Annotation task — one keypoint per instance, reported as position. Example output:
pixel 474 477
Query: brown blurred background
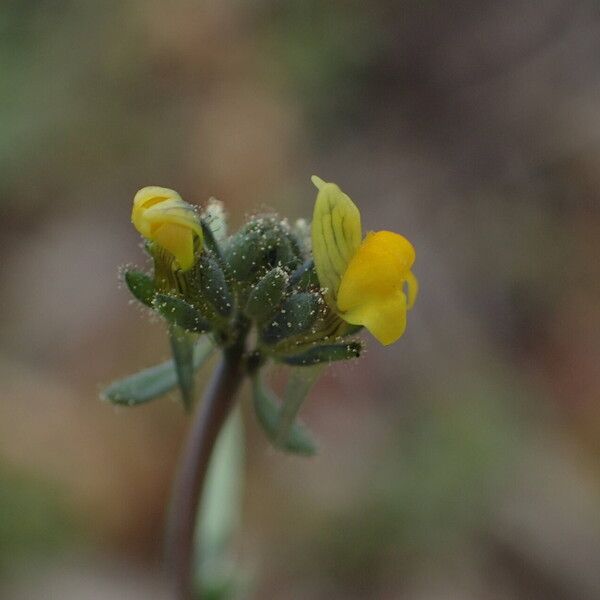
pixel 462 462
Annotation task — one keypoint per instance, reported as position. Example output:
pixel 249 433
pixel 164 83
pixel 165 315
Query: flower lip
pixel 372 293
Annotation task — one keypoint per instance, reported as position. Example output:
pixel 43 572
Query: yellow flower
pixel 364 279
pixel 161 216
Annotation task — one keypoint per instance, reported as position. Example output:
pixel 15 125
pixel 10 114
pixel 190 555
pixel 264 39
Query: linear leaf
pixel 182 348
pixel 155 381
pixel 298 386
pixel 324 354
pixel 268 413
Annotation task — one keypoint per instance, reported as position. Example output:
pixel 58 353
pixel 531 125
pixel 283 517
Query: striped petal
pixel 336 235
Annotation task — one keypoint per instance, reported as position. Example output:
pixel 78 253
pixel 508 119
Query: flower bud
pixel 208 287
pixel 305 276
pixel 296 315
pixel 258 247
pixel 178 312
pixel 267 295
pixel 161 216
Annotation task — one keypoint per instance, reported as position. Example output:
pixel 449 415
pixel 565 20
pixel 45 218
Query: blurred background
pixel 461 463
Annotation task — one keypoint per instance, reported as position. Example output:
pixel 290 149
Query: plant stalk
pixel 191 474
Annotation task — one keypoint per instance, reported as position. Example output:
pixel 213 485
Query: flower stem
pixel 195 458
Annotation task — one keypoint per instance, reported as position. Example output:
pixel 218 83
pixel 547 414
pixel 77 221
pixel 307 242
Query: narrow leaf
pixel 268 413
pixel 153 382
pixel 298 386
pixel 324 354
pixel 219 514
pixel 182 347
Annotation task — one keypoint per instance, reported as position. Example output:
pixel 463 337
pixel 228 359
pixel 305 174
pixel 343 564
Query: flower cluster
pixel 300 298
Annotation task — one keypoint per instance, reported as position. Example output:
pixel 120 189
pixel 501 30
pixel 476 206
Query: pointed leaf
pixel 268 413
pixel 153 382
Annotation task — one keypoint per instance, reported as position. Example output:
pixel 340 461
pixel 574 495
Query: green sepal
pixel 305 276
pixel 323 354
pixel 208 285
pixel 179 312
pixel 140 285
pixel 153 382
pixel 266 295
pixel 182 348
pixel 296 315
pixel 268 413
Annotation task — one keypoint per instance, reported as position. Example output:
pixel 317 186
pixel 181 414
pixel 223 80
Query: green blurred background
pixel 461 463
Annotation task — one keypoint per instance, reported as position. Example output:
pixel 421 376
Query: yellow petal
pixel 152 194
pixel 178 240
pixel 174 211
pixel 160 215
pixel 144 199
pixel 385 318
pixel 370 291
pixel 336 235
